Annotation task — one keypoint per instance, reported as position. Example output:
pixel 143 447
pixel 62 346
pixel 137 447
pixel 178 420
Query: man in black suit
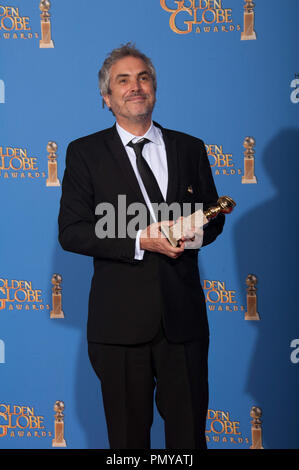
pixel 147 323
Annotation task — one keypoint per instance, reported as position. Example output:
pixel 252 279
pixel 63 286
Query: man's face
pixel 132 96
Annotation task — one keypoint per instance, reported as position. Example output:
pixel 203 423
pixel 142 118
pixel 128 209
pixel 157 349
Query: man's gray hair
pixel 124 50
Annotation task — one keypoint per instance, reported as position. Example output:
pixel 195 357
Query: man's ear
pixel 106 99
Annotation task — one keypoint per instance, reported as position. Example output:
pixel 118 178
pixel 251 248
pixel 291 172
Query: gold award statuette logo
pixel 256 428
pixel 59 440
pixel 46 41
pixel 249 154
pixel 251 313
pixel 56 311
pixel 52 179
pixel 248 32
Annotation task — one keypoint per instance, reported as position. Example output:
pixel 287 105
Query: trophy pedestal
pixel 251 313
pixel 249 176
pixel 165 229
pixel 46 41
pixel 175 232
pixel 52 180
pixel 246 37
pixel 58 443
pixel 256 438
pixel 56 312
pixel 46 45
pixel 56 315
pixel 52 183
pixel 248 33
pixel 252 317
pixel 249 181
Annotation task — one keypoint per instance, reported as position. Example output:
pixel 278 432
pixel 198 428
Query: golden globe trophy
pixel 56 311
pixel 248 29
pixel 249 176
pixel 59 440
pixel 251 313
pixel 46 41
pixel 52 179
pixel 198 219
pixel 256 428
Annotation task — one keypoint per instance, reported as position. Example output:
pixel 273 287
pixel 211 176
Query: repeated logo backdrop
pixel 227 73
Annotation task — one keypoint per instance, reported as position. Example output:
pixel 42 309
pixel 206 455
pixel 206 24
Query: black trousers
pixel 129 376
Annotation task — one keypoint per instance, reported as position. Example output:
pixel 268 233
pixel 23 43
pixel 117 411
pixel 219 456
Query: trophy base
pixel 174 233
pixel 252 317
pixel 58 443
pixel 249 181
pixel 248 37
pixel 56 315
pixel 165 230
pixel 46 45
pixel 50 183
pixel 257 448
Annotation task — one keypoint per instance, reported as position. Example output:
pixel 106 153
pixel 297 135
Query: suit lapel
pixel 121 159
pixel 172 163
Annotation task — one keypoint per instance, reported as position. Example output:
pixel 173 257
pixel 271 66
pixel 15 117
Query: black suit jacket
pixel 128 297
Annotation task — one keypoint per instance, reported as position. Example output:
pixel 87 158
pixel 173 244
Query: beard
pixel 137 116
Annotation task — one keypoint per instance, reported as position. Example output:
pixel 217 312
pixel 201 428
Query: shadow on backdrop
pixel 266 244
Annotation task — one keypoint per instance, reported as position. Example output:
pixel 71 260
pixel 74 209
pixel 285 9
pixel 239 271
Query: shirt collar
pixel 153 134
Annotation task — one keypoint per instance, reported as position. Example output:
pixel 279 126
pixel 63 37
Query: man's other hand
pixel 152 239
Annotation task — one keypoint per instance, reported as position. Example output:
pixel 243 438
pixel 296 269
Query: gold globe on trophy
pixel 225 205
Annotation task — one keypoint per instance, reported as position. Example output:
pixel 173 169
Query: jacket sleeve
pixel 77 219
pixel 209 197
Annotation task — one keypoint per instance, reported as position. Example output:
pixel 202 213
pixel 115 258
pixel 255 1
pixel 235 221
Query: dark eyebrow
pixel 120 75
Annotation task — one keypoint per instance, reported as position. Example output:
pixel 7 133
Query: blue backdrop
pixel 213 85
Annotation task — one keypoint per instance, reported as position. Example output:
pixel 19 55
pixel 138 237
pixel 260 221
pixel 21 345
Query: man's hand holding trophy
pixel 190 229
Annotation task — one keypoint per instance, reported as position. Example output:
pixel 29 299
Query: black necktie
pixel 148 178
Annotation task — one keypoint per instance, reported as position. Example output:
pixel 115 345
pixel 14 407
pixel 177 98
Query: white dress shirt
pixel 154 153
